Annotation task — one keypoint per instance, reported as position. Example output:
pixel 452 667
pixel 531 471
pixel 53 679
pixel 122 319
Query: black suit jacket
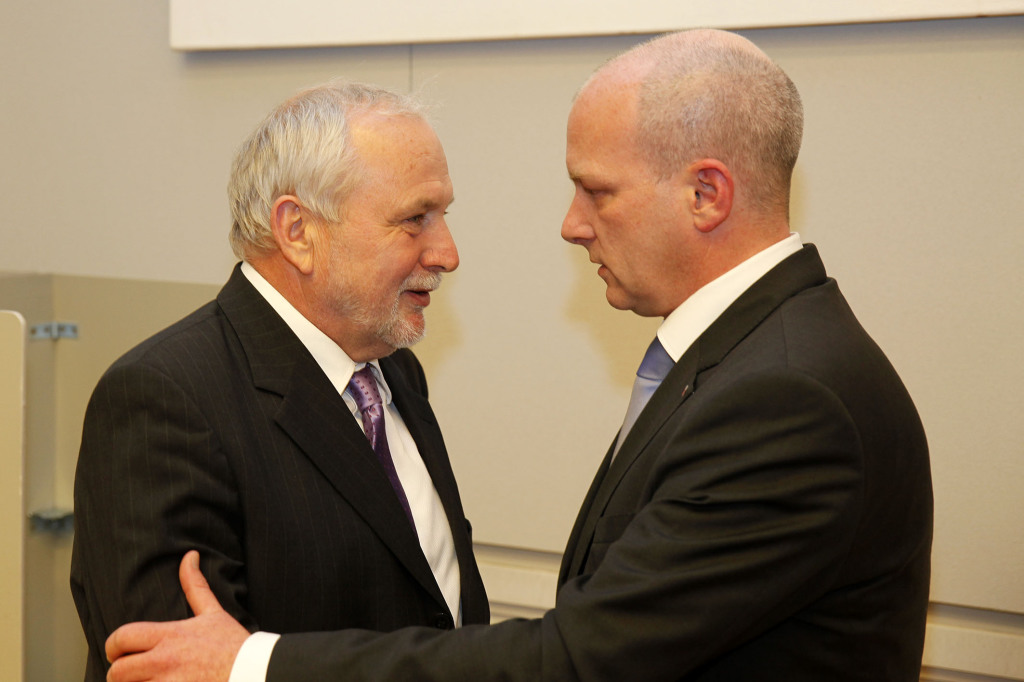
pixel 769 517
pixel 222 434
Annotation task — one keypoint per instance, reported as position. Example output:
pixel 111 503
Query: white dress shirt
pixel 685 324
pixel 432 527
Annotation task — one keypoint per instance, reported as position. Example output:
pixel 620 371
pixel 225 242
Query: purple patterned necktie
pixel 363 387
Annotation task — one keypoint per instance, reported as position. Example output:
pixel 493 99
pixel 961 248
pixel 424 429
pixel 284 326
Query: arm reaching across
pixel 200 649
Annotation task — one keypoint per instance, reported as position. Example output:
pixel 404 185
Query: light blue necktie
pixel 655 366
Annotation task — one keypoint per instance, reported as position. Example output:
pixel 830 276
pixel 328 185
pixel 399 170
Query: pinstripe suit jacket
pixel 222 434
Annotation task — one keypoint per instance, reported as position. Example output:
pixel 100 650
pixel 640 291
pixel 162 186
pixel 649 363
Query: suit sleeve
pixel 743 519
pixel 151 484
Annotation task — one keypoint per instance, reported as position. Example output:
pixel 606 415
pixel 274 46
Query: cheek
pixel 617 231
pixel 402 264
pixel 386 282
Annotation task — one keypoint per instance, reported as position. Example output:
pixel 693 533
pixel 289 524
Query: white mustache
pixel 427 282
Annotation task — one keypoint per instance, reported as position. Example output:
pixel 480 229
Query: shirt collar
pixel 334 361
pixel 692 318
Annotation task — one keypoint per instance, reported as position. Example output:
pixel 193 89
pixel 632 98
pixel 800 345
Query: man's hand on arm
pixel 200 649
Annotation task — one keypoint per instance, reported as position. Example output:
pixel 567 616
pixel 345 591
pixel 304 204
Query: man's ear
pixel 294 232
pixel 712 194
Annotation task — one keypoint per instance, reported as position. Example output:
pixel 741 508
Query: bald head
pixel 711 94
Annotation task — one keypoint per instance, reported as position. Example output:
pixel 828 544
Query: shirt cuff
pixel 253 658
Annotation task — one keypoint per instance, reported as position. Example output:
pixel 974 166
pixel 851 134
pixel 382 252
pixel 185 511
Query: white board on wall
pixel 249 24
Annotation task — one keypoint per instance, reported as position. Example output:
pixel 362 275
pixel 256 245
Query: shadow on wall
pixel 620 336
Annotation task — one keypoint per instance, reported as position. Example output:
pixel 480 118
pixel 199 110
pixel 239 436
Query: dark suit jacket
pixel 222 434
pixel 769 517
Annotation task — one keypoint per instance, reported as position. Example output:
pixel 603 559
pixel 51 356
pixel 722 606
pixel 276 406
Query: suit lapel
pixel 575 552
pixel 318 421
pixel 420 420
pixel 674 390
pixel 409 394
pixel 315 416
pixel 422 425
pixel 794 274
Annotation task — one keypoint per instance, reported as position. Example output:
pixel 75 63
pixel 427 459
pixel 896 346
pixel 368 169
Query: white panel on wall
pixel 241 24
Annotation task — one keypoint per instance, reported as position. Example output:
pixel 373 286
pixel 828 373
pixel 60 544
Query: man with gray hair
pixel 765 512
pixel 283 429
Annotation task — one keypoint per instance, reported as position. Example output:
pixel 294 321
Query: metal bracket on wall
pixel 56 521
pixel 54 331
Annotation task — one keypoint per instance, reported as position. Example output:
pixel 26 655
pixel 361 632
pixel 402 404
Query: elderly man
pixel 240 429
pixel 765 511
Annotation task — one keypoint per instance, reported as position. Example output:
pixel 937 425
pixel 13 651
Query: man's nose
pixel 576 227
pixel 441 254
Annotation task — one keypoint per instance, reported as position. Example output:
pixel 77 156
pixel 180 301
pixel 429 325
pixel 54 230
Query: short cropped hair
pixel 710 94
pixel 303 148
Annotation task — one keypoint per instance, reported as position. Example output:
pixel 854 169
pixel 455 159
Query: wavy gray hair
pixel 303 148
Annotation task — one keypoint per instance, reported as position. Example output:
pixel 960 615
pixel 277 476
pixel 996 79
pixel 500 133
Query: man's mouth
pixel 420 297
pixel 419 291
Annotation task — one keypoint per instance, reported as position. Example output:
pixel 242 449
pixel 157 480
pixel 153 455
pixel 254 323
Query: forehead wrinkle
pixel 430 200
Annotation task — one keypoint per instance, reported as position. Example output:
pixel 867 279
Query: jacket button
pixel 443 622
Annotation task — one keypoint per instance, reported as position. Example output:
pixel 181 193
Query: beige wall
pixel 116 152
